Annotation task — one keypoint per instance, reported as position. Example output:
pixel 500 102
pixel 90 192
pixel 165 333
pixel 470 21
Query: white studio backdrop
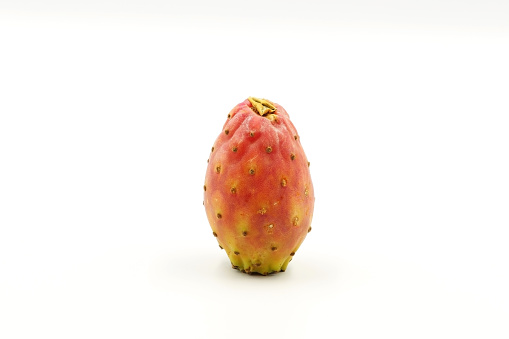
pixel 107 115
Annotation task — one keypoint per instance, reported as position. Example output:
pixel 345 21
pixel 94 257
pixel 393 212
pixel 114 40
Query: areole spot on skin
pixel 219 216
pixel 212 149
pixel 292 156
pixel 204 187
pixel 251 171
pixel 283 182
pixel 233 190
pixel 270 228
pixel 226 132
pixel 236 252
pixel 218 169
pixel 268 149
pixel 234 149
pixel 251 134
pixel 295 221
pixel 214 234
pixel 262 211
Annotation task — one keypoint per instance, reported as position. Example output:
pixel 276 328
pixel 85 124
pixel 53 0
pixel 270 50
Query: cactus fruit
pixel 258 193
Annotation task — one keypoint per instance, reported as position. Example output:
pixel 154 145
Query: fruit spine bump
pixel 258 193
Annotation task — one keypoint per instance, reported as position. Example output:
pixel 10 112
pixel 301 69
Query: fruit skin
pixel 258 193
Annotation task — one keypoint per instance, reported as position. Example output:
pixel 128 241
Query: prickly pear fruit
pixel 258 193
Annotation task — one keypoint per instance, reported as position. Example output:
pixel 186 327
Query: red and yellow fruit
pixel 258 192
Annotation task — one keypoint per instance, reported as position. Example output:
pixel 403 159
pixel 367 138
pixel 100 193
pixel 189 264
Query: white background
pixel 108 111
